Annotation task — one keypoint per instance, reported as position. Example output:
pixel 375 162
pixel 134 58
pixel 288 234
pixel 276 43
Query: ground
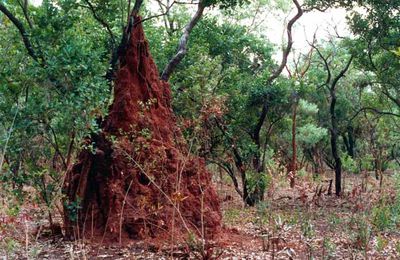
pixel 299 223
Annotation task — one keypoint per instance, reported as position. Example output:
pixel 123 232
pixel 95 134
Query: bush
pixel 386 214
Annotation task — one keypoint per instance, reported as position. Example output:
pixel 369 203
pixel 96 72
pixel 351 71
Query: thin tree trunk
pixel 293 165
pixel 334 138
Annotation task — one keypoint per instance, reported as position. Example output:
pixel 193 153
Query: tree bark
pixel 182 49
pixel 293 165
pixel 334 148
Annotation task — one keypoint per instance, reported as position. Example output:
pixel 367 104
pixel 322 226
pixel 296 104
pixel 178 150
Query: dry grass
pixel 290 223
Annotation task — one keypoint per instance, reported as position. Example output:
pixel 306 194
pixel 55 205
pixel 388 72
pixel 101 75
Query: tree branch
pixel 389 96
pixel 375 111
pixel 158 15
pixel 22 31
pixel 326 64
pixel 309 58
pixel 289 44
pixel 100 20
pixel 24 7
pixel 342 72
pixel 120 50
pixel 182 49
pixel 226 167
pixel 278 72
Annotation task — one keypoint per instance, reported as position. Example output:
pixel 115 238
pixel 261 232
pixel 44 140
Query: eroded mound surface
pixel 137 178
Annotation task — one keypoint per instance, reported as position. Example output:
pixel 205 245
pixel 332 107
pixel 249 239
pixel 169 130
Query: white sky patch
pixel 324 25
pixel 35 2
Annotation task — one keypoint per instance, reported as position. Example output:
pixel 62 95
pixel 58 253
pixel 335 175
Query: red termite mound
pixel 137 179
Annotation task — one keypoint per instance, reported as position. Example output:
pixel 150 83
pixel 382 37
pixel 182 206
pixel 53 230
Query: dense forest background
pixel 259 113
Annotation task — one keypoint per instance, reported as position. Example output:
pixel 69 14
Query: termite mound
pixel 137 178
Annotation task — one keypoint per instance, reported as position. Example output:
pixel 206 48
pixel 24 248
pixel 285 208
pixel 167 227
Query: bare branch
pixel 341 74
pixel 278 72
pixel 100 20
pixel 228 169
pixel 326 64
pixel 182 49
pixel 309 58
pixel 157 15
pixel 289 44
pixel 376 111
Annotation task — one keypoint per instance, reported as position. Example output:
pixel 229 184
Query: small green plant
pixel 73 207
pixel 317 178
pixel 397 246
pixel 382 216
pixel 386 214
pixel 263 213
pixel 145 133
pixel 264 219
pixel 231 215
pixel 13 209
pixel 349 164
pixel 329 248
pixel 34 251
pixel 302 173
pixel 191 240
pixel 293 218
pixel 334 221
pixel 307 228
pixel 381 243
pixel 201 249
pixel 363 232
pixel 258 180
pixel 396 205
pixel 9 246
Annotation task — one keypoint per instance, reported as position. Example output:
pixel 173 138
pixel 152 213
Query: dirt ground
pixel 300 223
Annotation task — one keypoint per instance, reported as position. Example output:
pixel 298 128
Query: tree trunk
pixel 352 141
pixel 257 194
pixel 349 141
pixel 334 146
pixel 293 164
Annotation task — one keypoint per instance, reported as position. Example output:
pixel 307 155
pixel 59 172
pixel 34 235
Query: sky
pixel 323 24
pixel 35 2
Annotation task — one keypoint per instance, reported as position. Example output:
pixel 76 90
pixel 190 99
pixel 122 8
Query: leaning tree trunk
pixel 138 179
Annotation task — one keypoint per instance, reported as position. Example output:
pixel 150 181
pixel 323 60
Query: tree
pixel 53 93
pixel 298 74
pixel 331 83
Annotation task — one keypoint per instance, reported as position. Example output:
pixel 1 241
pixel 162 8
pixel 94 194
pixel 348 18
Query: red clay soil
pixel 137 179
